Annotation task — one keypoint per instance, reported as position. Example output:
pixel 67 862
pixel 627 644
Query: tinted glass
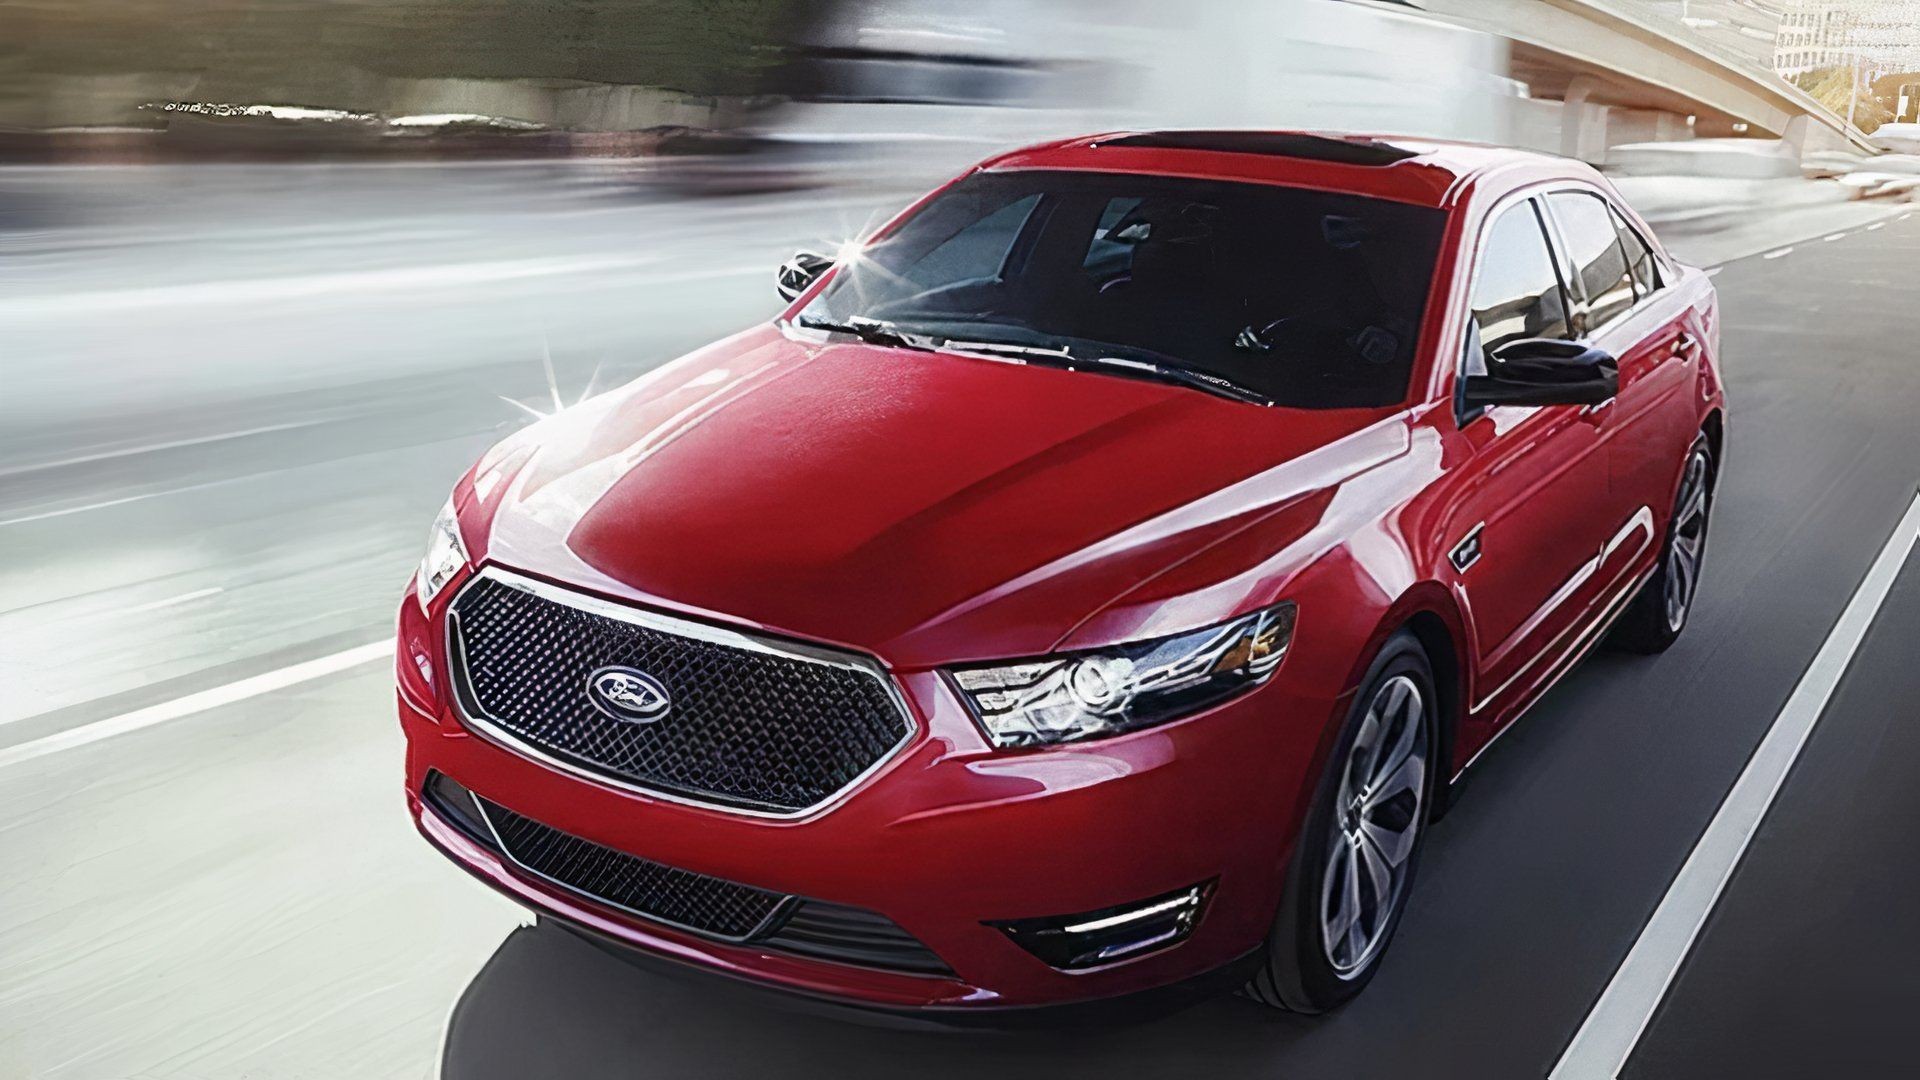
pixel 1312 299
pixel 1640 263
pixel 977 252
pixel 1516 291
pixel 1593 245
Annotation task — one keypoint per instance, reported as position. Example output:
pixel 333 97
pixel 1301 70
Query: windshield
pixel 1305 298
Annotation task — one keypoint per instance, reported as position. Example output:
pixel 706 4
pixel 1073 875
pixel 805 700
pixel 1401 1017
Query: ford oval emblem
pixel 628 694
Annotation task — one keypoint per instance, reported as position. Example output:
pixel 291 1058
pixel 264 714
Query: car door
pixel 1529 493
pixel 1618 306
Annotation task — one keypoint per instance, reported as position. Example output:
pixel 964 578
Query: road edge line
pixel 253 686
pixel 1619 1017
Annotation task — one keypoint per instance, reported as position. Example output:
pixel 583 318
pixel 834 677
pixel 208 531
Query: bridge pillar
pixel 1583 126
pixel 1795 136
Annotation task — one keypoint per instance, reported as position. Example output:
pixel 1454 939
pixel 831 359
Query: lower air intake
pixel 708 905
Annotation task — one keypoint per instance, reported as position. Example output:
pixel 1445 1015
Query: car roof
pixel 1425 172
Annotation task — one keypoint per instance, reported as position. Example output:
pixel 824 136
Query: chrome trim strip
pixel 1615 608
pixel 489 727
pixel 1642 520
pixel 779 910
pixel 1189 897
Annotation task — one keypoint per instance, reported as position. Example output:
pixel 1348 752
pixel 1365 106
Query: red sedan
pixel 1091 584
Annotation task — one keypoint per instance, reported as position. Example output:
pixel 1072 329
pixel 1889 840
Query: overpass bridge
pixel 1603 58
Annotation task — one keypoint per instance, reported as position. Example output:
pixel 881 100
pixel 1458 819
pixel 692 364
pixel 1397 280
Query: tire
pixel 1349 838
pixel 1653 622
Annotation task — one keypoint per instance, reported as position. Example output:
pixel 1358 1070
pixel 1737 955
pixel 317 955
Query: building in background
pixel 1814 34
pixel 1876 36
pixel 1886 34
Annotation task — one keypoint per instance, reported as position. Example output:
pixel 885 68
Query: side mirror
pixel 1544 371
pixel 798 274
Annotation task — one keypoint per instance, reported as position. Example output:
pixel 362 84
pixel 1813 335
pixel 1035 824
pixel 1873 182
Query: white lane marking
pixel 1777 253
pixel 1831 237
pixel 309 286
pixel 254 686
pixel 1876 225
pixel 155 605
pixel 379 282
pixel 152 448
pixel 1620 1016
pixel 184 489
pixel 121 501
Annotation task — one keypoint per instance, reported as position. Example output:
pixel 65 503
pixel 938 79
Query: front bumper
pixel 946 839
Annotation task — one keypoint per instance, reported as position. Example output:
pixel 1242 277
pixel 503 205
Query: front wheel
pixel 1354 862
pixel 1654 620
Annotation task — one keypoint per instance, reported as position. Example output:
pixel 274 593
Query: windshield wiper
pixel 1168 373
pixel 1009 349
pixel 883 333
pixel 1181 376
pixel 871 331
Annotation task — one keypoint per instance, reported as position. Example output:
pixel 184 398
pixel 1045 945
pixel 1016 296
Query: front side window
pixel 1599 262
pixel 1307 299
pixel 1516 290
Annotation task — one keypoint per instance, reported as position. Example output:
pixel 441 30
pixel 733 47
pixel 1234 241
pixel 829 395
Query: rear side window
pixel 1640 261
pixel 1599 262
pixel 1516 291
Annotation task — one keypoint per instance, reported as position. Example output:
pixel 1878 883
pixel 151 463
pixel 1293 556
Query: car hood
pixel 925 507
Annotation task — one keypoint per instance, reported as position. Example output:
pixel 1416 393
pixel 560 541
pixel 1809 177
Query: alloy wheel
pixel 1689 541
pixel 1380 807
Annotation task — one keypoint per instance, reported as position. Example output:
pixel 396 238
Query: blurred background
pixel 273 272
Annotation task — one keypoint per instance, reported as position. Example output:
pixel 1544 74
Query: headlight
pixel 446 556
pixel 1108 691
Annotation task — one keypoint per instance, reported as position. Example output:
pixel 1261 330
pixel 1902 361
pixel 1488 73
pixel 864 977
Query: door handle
pixel 1685 345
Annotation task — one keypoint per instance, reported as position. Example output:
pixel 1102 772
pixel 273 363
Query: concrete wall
pixel 119 100
pixel 577 106
pixel 1308 63
pixel 1139 63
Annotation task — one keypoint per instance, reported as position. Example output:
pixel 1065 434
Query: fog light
pixel 1112 934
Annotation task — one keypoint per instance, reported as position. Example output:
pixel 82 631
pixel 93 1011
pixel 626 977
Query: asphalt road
pixel 264 381
pixel 234 400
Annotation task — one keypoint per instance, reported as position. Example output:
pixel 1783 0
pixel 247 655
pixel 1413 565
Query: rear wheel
pixel 1354 862
pixel 1654 621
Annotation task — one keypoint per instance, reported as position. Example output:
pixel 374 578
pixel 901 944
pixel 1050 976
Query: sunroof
pixel 1275 144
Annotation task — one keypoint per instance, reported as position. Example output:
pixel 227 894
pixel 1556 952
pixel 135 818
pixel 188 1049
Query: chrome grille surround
pixel 879 688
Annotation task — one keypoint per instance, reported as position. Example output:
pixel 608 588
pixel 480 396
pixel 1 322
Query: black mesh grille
pixel 746 727
pixel 681 897
pixel 697 902
pixel 853 936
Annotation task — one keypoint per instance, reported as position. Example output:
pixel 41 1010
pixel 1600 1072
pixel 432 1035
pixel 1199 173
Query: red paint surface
pixel 931 509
